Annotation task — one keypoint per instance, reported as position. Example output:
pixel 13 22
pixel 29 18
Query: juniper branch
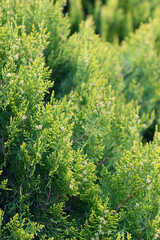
pixel 141 233
pixel 103 161
pixel 144 229
pixel 45 179
pixel 3 146
pixel 48 198
pixel 120 206
pixel 125 71
pixel 80 138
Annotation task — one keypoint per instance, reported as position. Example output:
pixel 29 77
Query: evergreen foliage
pixel 114 19
pixel 76 117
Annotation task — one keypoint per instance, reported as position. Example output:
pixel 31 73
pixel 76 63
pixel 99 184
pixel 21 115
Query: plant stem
pixel 80 138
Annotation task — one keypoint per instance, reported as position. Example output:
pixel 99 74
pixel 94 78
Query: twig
pixel 104 160
pixel 3 151
pixel 80 138
pixel 145 226
pixel 48 198
pixel 141 233
pixel 125 71
pixel 28 171
pixel 120 206
pixel 45 179
pixel 59 196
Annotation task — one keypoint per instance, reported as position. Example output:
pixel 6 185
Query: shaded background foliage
pixel 113 19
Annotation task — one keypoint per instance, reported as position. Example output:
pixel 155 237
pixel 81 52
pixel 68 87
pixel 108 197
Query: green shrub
pixel 140 64
pixel 73 165
pixel 29 13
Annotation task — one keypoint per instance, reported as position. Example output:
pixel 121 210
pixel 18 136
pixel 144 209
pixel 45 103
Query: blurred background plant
pixel 113 19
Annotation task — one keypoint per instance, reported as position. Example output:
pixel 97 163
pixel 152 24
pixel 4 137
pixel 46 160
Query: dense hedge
pixel 80 134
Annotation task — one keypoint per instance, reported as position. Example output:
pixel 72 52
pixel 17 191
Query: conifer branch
pixel 103 161
pixel 45 179
pixel 125 71
pixel 47 202
pixel 80 138
pixel 141 233
pixel 48 198
pixel 3 151
pixel 144 229
pixel 120 206
pixel 28 171
pixel 59 196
